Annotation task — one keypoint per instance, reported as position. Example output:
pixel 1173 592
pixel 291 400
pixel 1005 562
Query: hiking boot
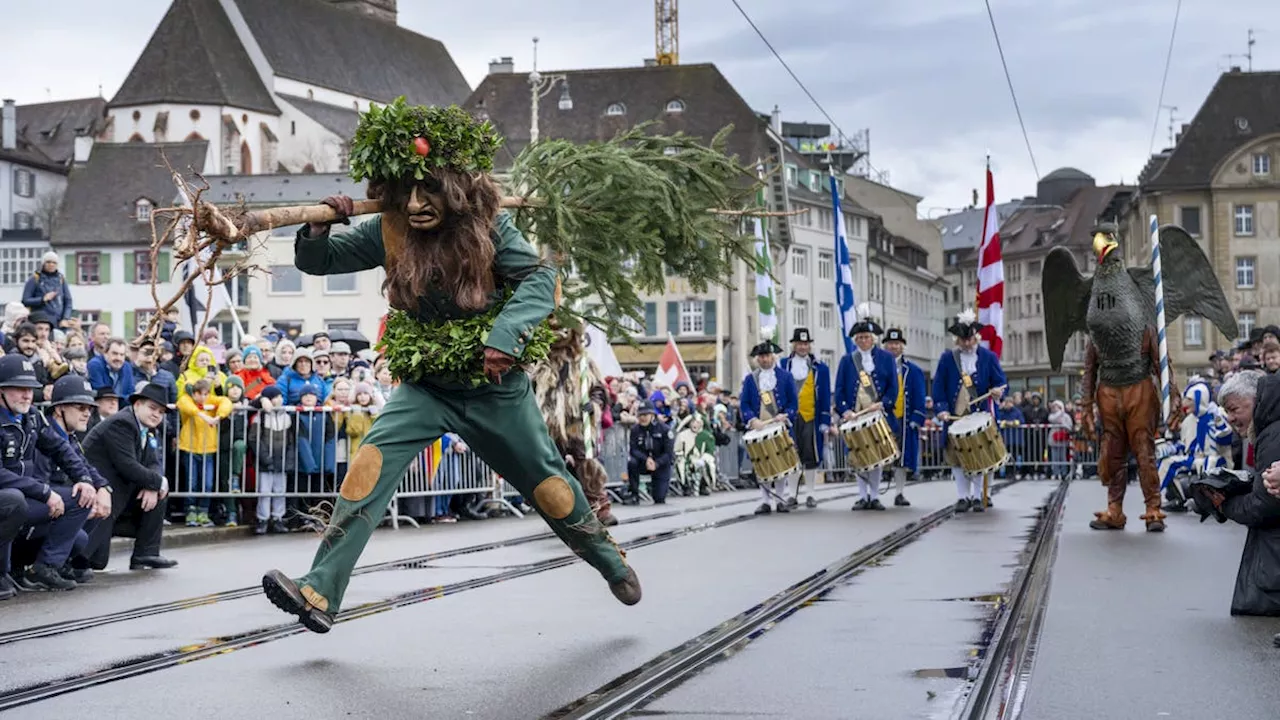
pixel 764 509
pixel 962 505
pixel 285 594
pixel 82 576
pixel 260 528
pixel 901 501
pixel 48 578
pixel 627 590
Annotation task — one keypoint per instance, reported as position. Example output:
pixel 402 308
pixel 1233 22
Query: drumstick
pixel 980 398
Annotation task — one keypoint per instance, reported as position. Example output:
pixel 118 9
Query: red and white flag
pixel 671 369
pixel 991 275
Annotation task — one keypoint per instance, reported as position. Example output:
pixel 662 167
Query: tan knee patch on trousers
pixel 362 476
pixel 554 497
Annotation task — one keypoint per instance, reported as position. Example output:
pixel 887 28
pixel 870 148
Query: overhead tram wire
pixel 1168 59
pixel 827 115
pixel 1026 138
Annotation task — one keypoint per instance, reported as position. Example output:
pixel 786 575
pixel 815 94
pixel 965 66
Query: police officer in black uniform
pixel 651 454
pixel 23 433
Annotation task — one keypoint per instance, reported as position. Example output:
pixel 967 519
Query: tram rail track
pixel 635 689
pixel 146 611
pixel 152 662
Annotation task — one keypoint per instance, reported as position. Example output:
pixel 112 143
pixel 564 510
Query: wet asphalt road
pixel 886 644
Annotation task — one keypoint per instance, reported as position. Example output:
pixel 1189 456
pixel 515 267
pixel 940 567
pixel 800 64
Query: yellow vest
pixel 900 407
pixel 807 395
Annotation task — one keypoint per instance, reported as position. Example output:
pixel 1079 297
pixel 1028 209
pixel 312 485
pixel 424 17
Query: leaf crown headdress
pixel 400 140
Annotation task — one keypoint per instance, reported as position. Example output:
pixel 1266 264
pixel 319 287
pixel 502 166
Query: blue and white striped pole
pixel 1164 343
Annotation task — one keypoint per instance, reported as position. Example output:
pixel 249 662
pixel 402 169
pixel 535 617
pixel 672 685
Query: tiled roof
pixel 52 127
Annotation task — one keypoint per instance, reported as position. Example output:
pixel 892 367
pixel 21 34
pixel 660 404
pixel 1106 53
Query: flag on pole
pixel 764 269
pixel 601 352
pixel 845 299
pixel 991 275
pixel 193 308
pixel 671 369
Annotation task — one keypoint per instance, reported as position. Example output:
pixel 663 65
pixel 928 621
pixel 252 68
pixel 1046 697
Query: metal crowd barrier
pixel 233 472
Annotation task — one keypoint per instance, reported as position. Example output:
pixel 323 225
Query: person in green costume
pixel 450 255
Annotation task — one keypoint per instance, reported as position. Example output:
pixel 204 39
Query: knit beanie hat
pixel 309 389
pixel 252 350
pixel 271 392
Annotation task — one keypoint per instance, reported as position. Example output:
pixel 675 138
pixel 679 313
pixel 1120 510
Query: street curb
pixel 189 538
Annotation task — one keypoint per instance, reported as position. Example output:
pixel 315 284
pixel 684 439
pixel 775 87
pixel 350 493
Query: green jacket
pixel 516 265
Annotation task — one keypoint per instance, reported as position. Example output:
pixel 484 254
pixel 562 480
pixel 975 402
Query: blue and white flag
pixel 845 299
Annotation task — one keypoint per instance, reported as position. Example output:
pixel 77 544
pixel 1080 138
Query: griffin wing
pixel 1190 285
pixel 1066 301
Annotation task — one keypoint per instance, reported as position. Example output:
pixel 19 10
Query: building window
pixel 23 221
pixel 616 109
pixel 142 269
pixel 89 318
pixel 142 320
pixel 1192 331
pixel 1244 220
pixel 238 288
pixel 344 284
pixel 799 262
pixel 285 280
pixel 88 271
pixel 800 312
pixel 1261 164
pixel 1190 217
pixel 691 317
pixel 675 106
pixel 142 210
pixel 1244 273
pixel 1015 272
pixel 18 264
pixel 1033 269
pixel 1245 322
pixel 826 316
pixel 343 324
pixel 631 325
pixel 791 175
pixel 828 357
pixel 24 183
pixel 826 266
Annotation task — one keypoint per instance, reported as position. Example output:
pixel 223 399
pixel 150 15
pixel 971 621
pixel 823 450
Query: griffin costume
pixel 1116 307
pixel 499 418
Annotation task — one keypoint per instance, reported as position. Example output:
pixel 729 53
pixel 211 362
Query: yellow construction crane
pixel 667 31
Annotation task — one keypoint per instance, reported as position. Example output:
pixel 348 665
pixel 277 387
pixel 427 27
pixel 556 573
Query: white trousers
pixel 900 480
pixel 869 483
pixel 781 487
pixel 968 485
pixel 808 479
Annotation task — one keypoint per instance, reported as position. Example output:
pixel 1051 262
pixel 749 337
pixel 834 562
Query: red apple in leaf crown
pixel 421 146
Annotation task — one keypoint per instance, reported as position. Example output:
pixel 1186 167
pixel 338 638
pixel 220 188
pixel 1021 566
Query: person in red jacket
pixel 255 374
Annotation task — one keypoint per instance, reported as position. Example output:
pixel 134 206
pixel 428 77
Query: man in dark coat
pixel 125 449
pixel 651 454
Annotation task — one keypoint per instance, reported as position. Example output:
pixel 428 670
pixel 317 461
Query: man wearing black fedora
pixel 126 450
pixel 813 415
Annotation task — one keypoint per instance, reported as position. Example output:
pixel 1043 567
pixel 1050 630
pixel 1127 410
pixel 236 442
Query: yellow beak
pixel 1103 244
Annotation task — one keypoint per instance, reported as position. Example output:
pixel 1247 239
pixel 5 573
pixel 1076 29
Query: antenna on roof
pixel 1249 53
pixel 1172 109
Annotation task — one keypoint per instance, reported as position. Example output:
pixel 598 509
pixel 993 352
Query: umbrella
pixel 354 338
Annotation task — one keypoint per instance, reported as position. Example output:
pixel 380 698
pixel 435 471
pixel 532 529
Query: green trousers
pixel 503 427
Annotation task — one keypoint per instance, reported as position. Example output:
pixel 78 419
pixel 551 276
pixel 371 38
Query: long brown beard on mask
pixel 456 257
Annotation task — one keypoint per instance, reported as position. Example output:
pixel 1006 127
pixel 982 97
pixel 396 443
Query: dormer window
pixel 675 106
pixel 616 109
pixel 142 210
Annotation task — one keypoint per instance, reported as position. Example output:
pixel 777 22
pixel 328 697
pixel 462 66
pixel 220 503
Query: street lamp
pixel 540 85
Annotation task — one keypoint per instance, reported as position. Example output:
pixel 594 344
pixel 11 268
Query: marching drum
pixel 977 443
pixel 772 451
pixel 870 441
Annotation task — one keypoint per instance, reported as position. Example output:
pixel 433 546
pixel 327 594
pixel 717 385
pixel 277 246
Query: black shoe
pixel 7 588
pixel 152 562
pixel 862 504
pixel 82 576
pixel 793 503
pixel 21 582
pixel 284 594
pixel 278 527
pixel 627 590
pixel 469 513
pixel 962 505
pixel 260 527
pixel 976 505
pixel 67 572
pixel 764 509
pixel 48 578
pixel 875 505
pixel 811 502
pixel 784 507
pixel 901 501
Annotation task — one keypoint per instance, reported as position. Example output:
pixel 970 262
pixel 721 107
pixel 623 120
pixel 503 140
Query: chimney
pixel 10 125
pixel 384 10
pixel 651 62
pixel 777 120
pixel 1183 131
pixel 83 146
pixel 1235 68
pixel 502 66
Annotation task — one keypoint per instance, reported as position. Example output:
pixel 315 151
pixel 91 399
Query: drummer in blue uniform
pixel 908 412
pixel 866 379
pixel 769 396
pixel 813 415
pixel 964 374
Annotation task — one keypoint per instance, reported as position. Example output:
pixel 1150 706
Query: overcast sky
pixel 923 75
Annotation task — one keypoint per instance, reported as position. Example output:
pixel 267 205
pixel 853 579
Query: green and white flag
pixel 764 278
